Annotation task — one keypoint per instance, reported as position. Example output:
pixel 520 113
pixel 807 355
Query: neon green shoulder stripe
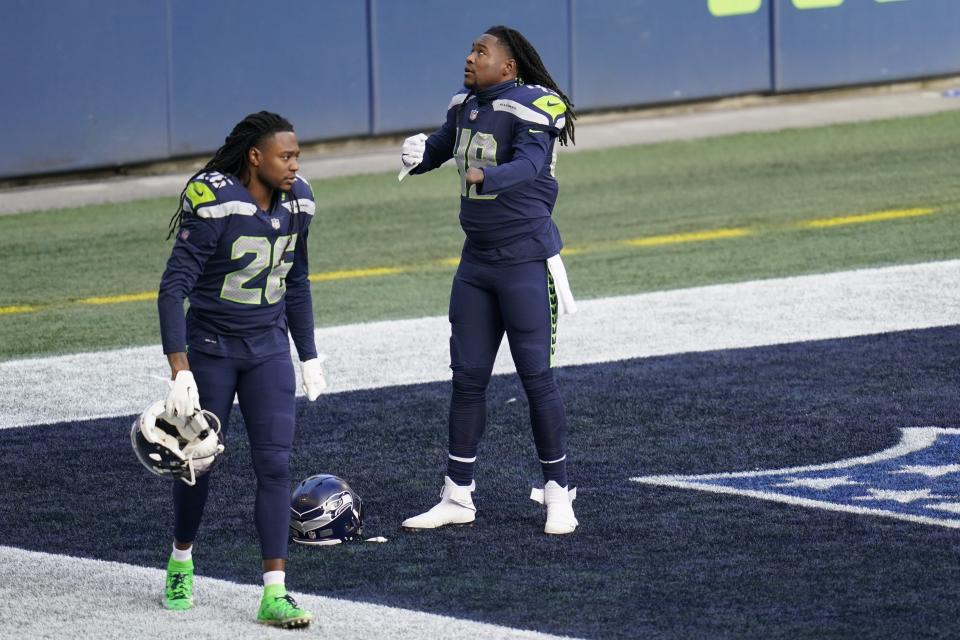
pixel 199 193
pixel 551 105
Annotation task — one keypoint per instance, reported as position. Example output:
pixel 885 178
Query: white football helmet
pixel 176 448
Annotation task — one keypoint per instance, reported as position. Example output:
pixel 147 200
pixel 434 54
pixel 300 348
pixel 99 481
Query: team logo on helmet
pixel 325 510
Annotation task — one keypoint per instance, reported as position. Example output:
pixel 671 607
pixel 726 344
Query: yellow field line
pixel 350 274
pixel 126 297
pixel 696 236
pixel 877 216
pixel 18 308
pixel 647 241
pixel 152 295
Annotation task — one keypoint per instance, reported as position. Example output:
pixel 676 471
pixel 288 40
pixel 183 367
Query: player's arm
pixel 437 149
pixel 299 310
pixel 421 153
pixel 195 242
pixel 530 147
pixel 535 125
pixel 299 302
pixel 178 362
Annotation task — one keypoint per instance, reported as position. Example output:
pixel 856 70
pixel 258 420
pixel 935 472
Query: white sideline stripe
pixel 390 353
pixel 65 597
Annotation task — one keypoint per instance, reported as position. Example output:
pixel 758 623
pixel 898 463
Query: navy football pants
pixel 266 389
pixel 486 302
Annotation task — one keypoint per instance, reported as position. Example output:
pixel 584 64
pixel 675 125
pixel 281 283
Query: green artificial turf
pixel 768 182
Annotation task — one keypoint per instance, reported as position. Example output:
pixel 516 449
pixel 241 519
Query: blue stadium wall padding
pixel 304 59
pixel 630 52
pixel 79 90
pixel 419 51
pixel 102 83
pixel 865 41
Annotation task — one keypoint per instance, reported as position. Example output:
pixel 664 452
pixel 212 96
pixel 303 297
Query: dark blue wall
pixel 91 83
pixel 863 41
pixel 304 59
pixel 419 49
pixel 78 91
pixel 629 52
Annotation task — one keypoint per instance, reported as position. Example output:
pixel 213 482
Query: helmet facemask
pixel 169 447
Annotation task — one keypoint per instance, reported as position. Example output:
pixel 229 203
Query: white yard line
pixel 389 353
pixel 65 597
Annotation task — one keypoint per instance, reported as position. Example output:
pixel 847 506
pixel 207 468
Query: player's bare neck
pixel 261 192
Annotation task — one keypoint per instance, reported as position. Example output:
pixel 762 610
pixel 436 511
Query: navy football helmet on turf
pixel 173 448
pixel 325 510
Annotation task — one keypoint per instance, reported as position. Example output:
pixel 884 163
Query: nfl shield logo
pixel 275 223
pixel 473 114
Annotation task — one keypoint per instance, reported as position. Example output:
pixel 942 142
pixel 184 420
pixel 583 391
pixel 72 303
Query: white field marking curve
pixel 912 439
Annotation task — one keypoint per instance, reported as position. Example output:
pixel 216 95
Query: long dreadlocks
pixel 530 70
pixel 232 156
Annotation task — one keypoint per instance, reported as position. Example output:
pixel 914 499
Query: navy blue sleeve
pixel 299 301
pixel 439 149
pixel 439 146
pixel 530 147
pixel 196 241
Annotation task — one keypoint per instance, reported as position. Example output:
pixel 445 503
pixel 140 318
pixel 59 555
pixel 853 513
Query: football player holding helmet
pixel 176 448
pixel 325 510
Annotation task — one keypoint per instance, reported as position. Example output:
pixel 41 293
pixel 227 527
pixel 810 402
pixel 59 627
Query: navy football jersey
pixel 510 131
pixel 244 269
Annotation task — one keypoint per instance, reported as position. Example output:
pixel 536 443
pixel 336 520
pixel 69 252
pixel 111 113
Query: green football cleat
pixel 279 609
pixel 178 594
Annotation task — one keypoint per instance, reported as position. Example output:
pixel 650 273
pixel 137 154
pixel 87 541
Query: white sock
pixel 273 577
pixel 182 555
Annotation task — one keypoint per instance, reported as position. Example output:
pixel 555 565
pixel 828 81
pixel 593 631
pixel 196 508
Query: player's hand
pixel 183 400
pixel 314 378
pixel 474 176
pixel 411 154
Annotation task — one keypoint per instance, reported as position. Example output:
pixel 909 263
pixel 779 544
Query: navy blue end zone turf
pixel 647 561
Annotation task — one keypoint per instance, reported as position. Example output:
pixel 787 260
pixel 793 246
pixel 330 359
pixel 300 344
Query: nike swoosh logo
pixel 553 104
pixel 534 130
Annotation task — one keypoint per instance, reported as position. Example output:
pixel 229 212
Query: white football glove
pixel 411 154
pixel 412 151
pixel 183 400
pixel 314 378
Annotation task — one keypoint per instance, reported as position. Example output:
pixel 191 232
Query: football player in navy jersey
pixel 240 256
pixel 503 129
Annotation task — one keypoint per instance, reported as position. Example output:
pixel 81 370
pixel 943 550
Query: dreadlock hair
pixel 530 70
pixel 232 156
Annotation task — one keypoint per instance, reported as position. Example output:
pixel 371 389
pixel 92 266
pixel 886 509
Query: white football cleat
pixel 455 507
pixel 559 502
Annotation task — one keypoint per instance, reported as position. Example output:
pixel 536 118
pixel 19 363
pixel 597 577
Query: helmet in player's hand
pixel 176 448
pixel 325 510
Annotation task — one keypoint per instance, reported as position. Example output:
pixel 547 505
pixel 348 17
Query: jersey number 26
pixel 264 256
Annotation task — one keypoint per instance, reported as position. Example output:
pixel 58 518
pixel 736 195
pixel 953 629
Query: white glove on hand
pixel 411 154
pixel 314 378
pixel 412 151
pixel 183 400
